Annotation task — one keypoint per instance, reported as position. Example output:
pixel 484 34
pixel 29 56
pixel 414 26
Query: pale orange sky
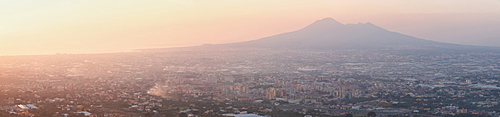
pixel 90 26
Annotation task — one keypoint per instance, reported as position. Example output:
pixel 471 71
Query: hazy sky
pixel 87 26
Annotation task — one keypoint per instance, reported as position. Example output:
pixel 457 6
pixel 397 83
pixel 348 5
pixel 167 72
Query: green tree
pixel 371 114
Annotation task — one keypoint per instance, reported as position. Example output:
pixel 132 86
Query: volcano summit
pixel 330 34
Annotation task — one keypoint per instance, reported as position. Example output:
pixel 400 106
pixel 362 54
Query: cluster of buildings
pixel 329 83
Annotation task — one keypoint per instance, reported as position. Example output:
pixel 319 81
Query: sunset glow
pixel 96 26
pixel 249 58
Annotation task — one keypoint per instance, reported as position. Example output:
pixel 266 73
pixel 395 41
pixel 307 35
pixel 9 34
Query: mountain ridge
pixel 328 33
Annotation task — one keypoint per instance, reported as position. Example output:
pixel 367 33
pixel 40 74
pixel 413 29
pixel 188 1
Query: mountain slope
pixel 330 34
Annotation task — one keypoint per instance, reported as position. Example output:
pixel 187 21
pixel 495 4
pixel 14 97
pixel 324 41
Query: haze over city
pixel 47 27
pixel 252 58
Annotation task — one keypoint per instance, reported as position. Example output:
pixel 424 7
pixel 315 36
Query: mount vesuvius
pixel 329 34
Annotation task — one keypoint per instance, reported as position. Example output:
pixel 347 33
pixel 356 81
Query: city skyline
pixel 259 58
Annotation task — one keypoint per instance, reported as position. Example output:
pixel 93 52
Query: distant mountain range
pixel 329 34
